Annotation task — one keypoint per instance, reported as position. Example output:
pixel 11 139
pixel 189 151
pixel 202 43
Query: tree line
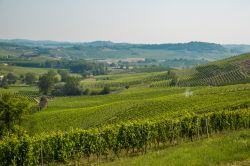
pixel 83 67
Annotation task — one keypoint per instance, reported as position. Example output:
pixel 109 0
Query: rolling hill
pixel 224 72
pixel 149 114
pixel 107 49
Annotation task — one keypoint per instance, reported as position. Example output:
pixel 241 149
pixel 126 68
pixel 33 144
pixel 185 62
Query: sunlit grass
pixel 223 149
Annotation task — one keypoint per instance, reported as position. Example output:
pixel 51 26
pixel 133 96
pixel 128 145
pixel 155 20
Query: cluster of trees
pixel 30 78
pixel 82 67
pixel 46 82
pixel 10 78
pixel 57 83
pixel 49 83
pixel 71 87
pixel 87 68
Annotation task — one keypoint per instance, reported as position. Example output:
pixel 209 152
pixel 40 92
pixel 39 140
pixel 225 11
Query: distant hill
pixel 232 70
pixel 101 50
pixel 108 49
pixel 238 48
pixel 39 43
pixel 191 46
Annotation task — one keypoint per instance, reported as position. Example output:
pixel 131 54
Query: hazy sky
pixel 136 21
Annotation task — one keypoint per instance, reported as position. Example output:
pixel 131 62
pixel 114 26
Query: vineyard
pixel 226 148
pixel 135 103
pixel 31 93
pixel 225 72
pixel 223 78
pixel 163 83
pixel 230 71
pixel 111 141
pixel 122 80
pixel 143 111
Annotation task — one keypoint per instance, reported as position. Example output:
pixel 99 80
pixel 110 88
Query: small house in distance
pixel 1 77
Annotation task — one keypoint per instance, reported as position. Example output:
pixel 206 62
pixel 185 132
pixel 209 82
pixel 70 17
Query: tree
pixel 72 86
pixel 106 90
pixel 22 78
pixel 58 90
pixel 11 78
pixel 173 82
pixel 4 83
pixel 53 74
pixel 12 109
pixel 86 67
pixel 64 75
pixel 30 78
pixel 46 82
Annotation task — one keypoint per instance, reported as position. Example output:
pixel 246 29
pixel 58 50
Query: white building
pixel 1 77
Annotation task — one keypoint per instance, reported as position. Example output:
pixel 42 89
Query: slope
pixel 224 72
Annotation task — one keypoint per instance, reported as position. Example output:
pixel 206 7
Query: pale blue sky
pixel 136 21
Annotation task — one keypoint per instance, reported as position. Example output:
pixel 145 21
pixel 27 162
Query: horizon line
pixel 119 42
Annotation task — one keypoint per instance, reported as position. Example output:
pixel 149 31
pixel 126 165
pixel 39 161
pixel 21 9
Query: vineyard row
pixel 76 144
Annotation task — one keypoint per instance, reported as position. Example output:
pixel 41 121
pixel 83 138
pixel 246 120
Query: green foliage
pixel 30 78
pixel 7 80
pixel 62 147
pixel 64 75
pixel 46 82
pixel 133 104
pixel 229 148
pixel 4 83
pixel 87 68
pixel 105 91
pixel 12 110
pixel 233 70
pixel 22 70
pixel 72 86
pixel 11 78
pixel 128 79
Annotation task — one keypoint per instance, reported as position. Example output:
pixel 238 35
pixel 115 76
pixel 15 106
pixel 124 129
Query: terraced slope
pixel 225 72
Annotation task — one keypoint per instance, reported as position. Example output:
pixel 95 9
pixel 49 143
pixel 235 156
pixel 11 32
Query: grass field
pixel 22 70
pixel 223 149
